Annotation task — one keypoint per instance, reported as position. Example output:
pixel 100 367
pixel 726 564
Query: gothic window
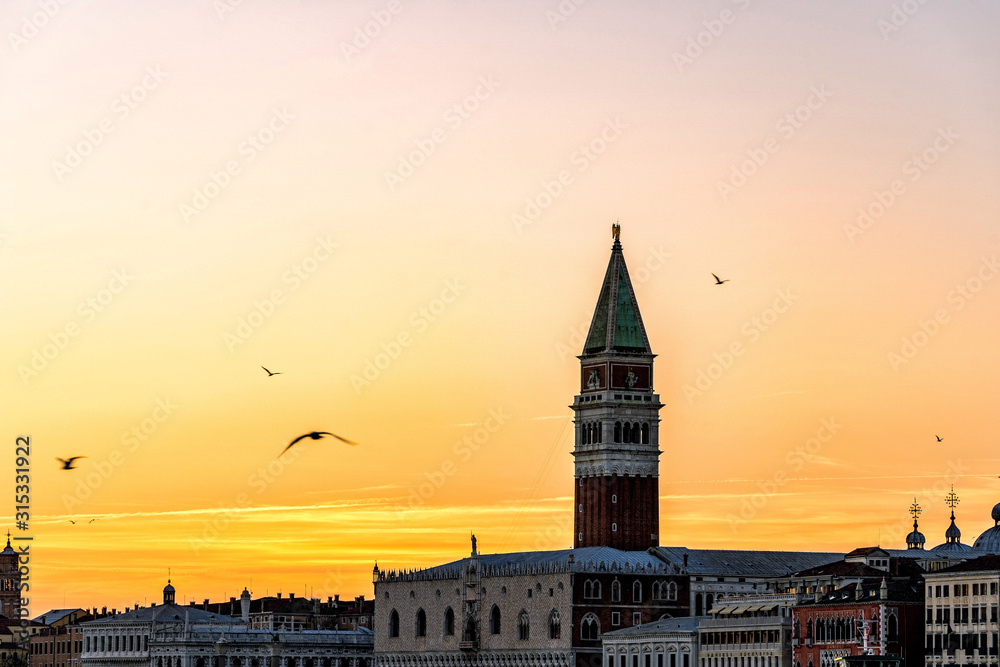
pixel 470 631
pixel 636 437
pixel 393 623
pixel 699 610
pixel 523 626
pixel 796 633
pixel 616 591
pixel 672 592
pixel 449 622
pixel 618 431
pixel 597 427
pixel 495 620
pixel 554 629
pixel 590 627
pixel 892 628
pixel 809 629
pixel 420 624
pixel 645 433
pixel 655 591
pixel 637 592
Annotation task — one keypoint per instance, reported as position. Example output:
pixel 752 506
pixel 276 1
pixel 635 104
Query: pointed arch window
pixel 672 592
pixel 495 620
pixel 554 626
pixel 420 624
pixel 645 433
pixel 590 627
pixel 449 622
pixel 394 623
pixel 523 626
pixel 616 591
pixel 637 591
pixel 618 431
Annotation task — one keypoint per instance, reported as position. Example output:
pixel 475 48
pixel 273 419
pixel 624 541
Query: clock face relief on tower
pixel 593 377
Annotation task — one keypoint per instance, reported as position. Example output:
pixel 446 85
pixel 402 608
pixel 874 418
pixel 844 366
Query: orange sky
pixel 412 226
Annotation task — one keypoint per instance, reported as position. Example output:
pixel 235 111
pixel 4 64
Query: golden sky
pixel 405 208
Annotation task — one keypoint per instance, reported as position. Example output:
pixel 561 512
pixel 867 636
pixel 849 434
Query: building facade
pixel 669 642
pixel 961 613
pixel 868 618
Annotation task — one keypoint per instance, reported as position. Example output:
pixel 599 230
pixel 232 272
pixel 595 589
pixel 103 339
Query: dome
pixel 169 588
pixel 953 533
pixel 952 546
pixel 989 541
pixel 915 540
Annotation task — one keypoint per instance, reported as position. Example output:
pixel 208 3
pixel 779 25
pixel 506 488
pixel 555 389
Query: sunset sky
pixel 405 208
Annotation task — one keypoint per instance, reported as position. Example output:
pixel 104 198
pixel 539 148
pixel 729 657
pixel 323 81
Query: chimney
pixel 279 595
pixel 329 600
pixel 191 603
pixel 336 598
pixel 206 604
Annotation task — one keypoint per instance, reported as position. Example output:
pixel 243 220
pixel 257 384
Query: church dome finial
pixel 915 540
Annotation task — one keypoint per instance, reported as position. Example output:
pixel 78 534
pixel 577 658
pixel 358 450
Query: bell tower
pixel 10 582
pixel 616 450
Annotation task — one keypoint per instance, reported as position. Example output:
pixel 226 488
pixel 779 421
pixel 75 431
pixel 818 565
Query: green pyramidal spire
pixel 617 325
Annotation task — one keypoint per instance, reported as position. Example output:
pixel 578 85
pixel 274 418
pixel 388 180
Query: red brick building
pixel 832 625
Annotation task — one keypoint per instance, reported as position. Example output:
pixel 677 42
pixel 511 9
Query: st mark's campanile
pixel 616 450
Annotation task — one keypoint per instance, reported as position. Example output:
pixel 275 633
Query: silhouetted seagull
pixel 269 373
pixel 940 439
pixel 719 282
pixel 67 464
pixel 73 522
pixel 316 435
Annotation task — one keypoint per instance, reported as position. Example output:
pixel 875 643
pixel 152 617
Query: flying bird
pixel 269 373
pixel 718 281
pixel 67 464
pixel 92 521
pixel 316 435
pixel 72 522
pixel 940 439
